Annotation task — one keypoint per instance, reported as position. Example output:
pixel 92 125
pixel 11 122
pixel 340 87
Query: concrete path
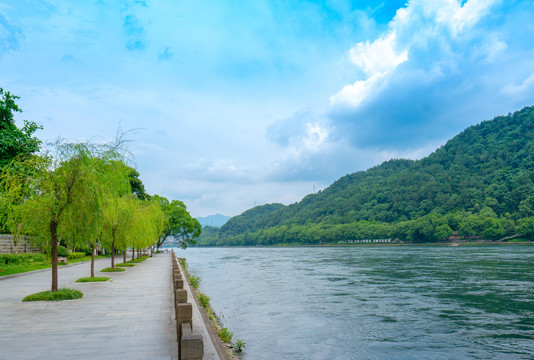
pixel 131 317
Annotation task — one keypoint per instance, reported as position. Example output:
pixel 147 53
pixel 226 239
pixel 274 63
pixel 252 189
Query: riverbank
pixel 441 244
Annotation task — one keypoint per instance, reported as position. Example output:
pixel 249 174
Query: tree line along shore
pixel 77 197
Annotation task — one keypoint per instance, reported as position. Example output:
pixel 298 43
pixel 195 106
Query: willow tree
pixel 107 180
pixel 56 194
pixel 148 225
pixel 119 222
pixel 178 222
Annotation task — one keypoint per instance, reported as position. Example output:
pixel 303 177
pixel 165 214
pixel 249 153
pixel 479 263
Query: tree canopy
pixel 14 141
pixel 61 195
pixel 178 222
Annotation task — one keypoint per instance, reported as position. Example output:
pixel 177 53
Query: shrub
pixel 225 335
pixel 239 345
pixel 76 255
pixel 204 300
pixel 62 251
pixel 195 281
pixel 62 294
pixel 86 249
pixel 13 259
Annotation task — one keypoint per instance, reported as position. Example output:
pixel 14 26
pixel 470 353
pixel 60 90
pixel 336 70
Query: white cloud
pixel 417 24
pixel 519 89
pixel 354 94
pixel 379 56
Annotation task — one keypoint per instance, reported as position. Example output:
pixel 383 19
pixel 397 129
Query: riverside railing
pixel 190 346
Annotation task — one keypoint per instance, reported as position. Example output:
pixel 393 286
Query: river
pixel 373 302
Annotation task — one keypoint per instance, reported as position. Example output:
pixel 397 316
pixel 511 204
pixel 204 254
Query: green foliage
pixel 526 227
pixel 115 269
pixel 93 279
pixel 23 258
pixel 178 222
pixel 138 189
pixel 60 196
pixel 85 249
pixel 62 251
pixel 239 345
pixel 137 261
pixel 14 141
pixel 194 280
pixel 20 263
pixel 61 294
pixel 204 300
pixel 125 265
pixel 478 184
pixel 225 335
pixel 76 255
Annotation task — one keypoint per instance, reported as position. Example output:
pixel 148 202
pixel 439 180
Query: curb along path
pixel 131 317
pixel 200 342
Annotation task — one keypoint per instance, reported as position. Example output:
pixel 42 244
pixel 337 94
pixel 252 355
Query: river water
pixel 373 302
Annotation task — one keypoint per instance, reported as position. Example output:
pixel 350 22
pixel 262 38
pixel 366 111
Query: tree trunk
pixel 124 256
pixel 93 260
pixel 53 233
pixel 133 253
pixel 113 254
pixel 113 250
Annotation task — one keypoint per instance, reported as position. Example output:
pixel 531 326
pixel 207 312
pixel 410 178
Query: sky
pixel 234 104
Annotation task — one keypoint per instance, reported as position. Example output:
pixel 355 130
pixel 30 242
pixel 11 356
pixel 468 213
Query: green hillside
pixel 479 184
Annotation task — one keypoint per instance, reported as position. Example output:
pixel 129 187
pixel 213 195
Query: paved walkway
pixel 131 317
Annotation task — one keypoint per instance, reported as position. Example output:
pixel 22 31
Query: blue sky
pixel 241 103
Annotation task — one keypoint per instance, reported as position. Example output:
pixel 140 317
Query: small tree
pixel 57 195
pixel 178 223
pixel 149 223
pixel 116 214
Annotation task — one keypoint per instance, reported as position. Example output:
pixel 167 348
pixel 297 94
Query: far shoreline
pixel 441 244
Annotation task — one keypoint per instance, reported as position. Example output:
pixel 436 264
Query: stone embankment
pixel 197 339
pixel 8 244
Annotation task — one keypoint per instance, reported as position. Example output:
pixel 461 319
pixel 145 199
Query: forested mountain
pixel 481 179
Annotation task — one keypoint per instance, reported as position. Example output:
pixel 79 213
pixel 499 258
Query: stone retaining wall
pixel 7 245
pixel 190 346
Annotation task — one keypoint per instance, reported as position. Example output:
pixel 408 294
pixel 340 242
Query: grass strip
pixel 93 279
pixel 116 269
pixel 24 262
pixel 125 265
pixel 61 294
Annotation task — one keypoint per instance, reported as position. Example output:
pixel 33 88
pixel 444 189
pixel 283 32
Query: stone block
pixel 184 315
pixel 191 346
pixel 181 296
pixel 184 312
pixel 178 284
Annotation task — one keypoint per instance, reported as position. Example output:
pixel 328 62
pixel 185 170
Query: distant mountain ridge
pixel 487 169
pixel 216 220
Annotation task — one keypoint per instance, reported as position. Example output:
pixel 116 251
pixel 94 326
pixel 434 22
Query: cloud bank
pixel 263 101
